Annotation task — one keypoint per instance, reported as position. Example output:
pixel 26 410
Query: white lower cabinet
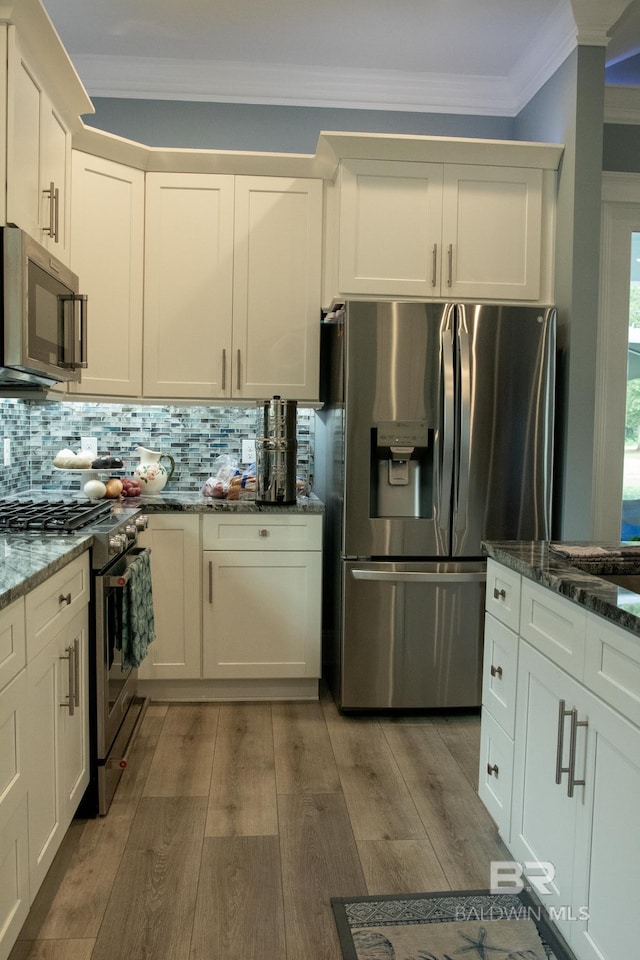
pixel 174 540
pixel 58 738
pixel 44 733
pixel 14 837
pixel 576 772
pixel 261 614
pixel 261 603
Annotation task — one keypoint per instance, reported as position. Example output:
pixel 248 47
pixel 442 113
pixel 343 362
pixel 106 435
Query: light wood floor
pixel 235 824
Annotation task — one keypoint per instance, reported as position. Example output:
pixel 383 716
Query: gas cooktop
pixel 54 516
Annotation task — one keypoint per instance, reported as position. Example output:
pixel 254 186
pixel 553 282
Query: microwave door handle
pixel 73 342
pixel 80 325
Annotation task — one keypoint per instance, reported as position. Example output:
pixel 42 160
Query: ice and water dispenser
pixel 401 469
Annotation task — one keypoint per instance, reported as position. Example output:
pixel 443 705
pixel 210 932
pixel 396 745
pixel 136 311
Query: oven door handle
pixel 124 759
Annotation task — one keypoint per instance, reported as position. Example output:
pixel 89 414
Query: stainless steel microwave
pixel 44 316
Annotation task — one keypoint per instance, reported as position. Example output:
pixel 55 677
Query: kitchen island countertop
pixel 537 561
pixel 28 559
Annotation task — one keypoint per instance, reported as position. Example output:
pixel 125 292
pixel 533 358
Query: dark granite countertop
pixel 583 584
pixel 181 502
pixel 28 559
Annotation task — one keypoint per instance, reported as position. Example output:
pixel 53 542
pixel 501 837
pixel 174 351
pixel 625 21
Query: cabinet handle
pixel 238 371
pixel 499 594
pixel 54 206
pixel 70 658
pixel 450 265
pixel 76 664
pixel 496 671
pixel 224 369
pixel 562 713
pixel 264 533
pixel 210 581
pixel 64 599
pixel 575 723
pixel 434 264
pixel 493 771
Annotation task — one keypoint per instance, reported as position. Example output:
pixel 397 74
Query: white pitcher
pixel 150 471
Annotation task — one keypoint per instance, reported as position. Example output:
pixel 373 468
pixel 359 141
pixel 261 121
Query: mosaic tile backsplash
pixel 193 436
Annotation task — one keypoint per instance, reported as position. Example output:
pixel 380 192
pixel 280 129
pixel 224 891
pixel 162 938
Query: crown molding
pixel 350 88
pixel 622 105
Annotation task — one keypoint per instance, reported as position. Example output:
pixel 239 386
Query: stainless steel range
pixel 115 711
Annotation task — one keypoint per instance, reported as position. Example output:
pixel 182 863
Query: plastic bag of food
pixel 217 485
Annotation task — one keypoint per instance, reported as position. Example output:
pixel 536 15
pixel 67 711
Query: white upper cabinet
pixel 188 285
pixel 232 286
pixel 440 230
pixel 276 288
pixel 107 244
pixel 38 157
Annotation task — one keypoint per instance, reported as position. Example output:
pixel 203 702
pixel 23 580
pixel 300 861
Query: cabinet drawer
pixel 500 673
pixel 262 532
pixel 13 651
pixel 503 594
pixel 495 779
pixel 612 666
pixel 55 602
pixel 555 626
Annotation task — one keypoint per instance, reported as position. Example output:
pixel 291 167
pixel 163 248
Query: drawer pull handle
pixel 492 770
pixel 575 723
pixel 562 713
pixel 64 599
pixel 496 671
pixel 499 594
pixel 264 532
pixel 71 660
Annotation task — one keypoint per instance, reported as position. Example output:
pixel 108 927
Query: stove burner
pixel 51 516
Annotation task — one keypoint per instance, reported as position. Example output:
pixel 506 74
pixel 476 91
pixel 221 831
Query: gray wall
pixel 238 126
pixel 621 149
pixel 570 109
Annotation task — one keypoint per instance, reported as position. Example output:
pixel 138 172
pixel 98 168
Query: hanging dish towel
pixel 138 627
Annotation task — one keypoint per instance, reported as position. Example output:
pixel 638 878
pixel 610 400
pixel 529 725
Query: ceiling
pixel 472 56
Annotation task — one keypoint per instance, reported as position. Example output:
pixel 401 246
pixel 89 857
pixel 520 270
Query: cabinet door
pixel 14 878
pixel 607 868
pixel 74 722
pixel 43 699
pixel 276 287
pixel 390 228
pixel 38 154
pixel 55 170
pixel 261 614
pixel 491 232
pixel 545 818
pixel 188 285
pixel 24 147
pixel 174 540
pixel 107 253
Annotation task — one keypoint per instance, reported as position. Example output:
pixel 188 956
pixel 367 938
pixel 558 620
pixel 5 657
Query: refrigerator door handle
pixel 448 419
pixel 461 486
pixel 419 576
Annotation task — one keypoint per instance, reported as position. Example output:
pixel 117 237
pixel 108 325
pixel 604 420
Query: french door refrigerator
pixel 437 431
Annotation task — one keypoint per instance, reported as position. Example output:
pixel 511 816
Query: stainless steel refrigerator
pixel 436 434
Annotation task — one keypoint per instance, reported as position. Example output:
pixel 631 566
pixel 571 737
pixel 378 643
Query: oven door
pixel 118 712
pixel 115 685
